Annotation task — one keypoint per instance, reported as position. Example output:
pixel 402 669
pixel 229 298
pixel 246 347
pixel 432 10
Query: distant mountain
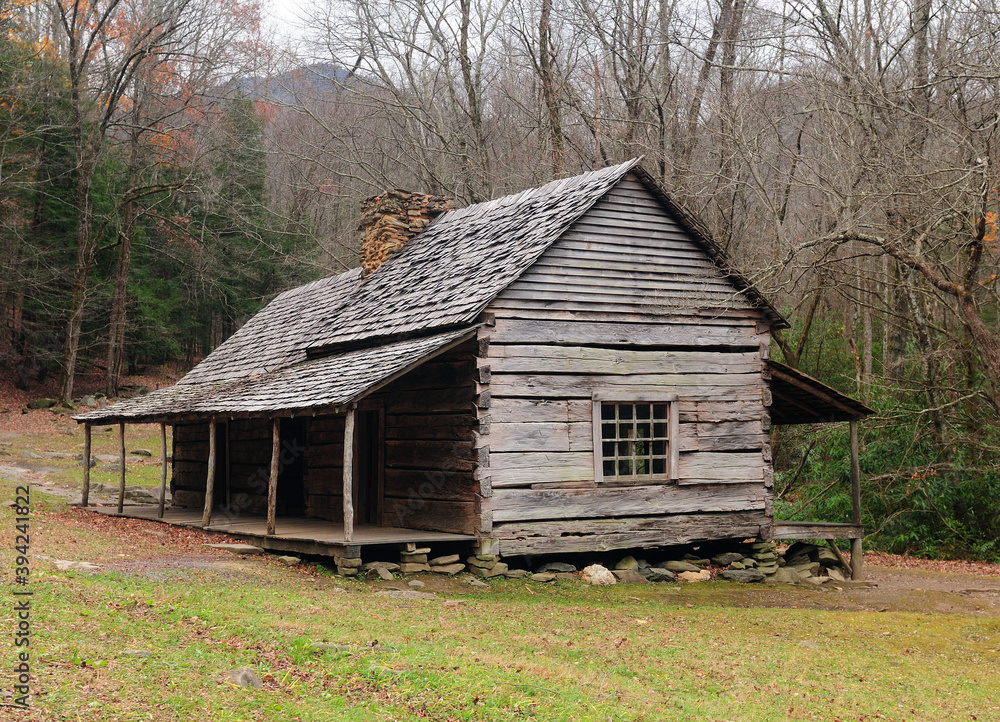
pixel 295 86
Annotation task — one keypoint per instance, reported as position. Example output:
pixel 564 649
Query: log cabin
pixel 577 367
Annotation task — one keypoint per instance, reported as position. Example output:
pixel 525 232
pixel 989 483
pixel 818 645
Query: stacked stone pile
pixel 347 566
pixel 449 565
pixel 744 562
pixel 411 562
pixel 389 220
pixel 487 566
pixel 804 562
pixel 763 561
pixel 764 556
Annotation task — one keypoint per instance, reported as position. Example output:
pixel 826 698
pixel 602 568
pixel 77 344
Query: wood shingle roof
pixel 453 269
pixel 331 341
pixel 305 386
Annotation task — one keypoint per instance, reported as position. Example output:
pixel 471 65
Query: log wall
pixel 249 458
pixel 429 453
pixel 625 302
pixel 324 469
pixel 190 465
pixel 249 465
pixel 429 448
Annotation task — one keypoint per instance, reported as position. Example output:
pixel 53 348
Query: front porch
pixel 300 535
pixel 801 399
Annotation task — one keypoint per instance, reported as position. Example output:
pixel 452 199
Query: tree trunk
pixel 550 96
pixel 470 78
pixel 895 351
pixel 665 83
pixel 866 325
pixel 718 28
pixel 726 180
pixel 119 300
pixel 78 302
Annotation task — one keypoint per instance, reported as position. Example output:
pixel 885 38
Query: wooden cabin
pixel 574 368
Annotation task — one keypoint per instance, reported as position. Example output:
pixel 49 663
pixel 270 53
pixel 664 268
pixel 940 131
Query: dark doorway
pixel 220 490
pixel 291 496
pixel 369 468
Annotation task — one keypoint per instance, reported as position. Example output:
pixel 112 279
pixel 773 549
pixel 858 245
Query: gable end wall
pixel 624 301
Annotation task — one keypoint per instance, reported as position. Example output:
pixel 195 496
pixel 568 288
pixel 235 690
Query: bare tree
pixel 102 53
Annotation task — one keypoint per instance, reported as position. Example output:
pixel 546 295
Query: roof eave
pixel 825 402
pixel 287 411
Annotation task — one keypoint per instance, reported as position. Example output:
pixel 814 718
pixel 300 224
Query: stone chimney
pixel 389 220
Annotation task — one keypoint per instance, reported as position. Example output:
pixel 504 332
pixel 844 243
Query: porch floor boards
pixel 302 534
pixel 816 530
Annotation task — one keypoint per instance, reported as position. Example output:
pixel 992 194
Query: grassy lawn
pixel 139 470
pixel 518 650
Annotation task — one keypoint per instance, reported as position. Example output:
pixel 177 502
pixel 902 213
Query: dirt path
pixel 38 478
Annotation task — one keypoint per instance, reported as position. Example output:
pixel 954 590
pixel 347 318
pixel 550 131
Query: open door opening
pixel 369 467
pixel 291 497
pixel 221 490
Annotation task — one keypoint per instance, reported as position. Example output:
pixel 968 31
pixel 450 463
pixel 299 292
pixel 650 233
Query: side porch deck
pixel 816 530
pixel 829 531
pixel 302 535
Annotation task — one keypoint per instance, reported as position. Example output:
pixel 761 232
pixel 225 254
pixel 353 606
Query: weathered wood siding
pixel 429 449
pixel 624 301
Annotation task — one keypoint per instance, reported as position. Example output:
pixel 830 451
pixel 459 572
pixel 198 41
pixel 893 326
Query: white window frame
pixel 673 436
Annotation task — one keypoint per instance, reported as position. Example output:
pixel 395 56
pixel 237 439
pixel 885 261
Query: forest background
pixel 168 166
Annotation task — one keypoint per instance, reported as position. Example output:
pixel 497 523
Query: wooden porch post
pixel 85 499
pixel 206 517
pixel 163 468
pixel 857 572
pixel 349 475
pixel 272 484
pixel 121 470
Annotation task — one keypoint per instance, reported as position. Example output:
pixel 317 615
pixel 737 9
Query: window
pixel 635 441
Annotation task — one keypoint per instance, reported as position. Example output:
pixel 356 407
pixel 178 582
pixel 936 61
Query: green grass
pixel 519 650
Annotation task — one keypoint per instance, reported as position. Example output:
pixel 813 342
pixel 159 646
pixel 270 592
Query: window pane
pixel 633 441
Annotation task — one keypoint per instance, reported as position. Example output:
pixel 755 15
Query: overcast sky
pixel 286 16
